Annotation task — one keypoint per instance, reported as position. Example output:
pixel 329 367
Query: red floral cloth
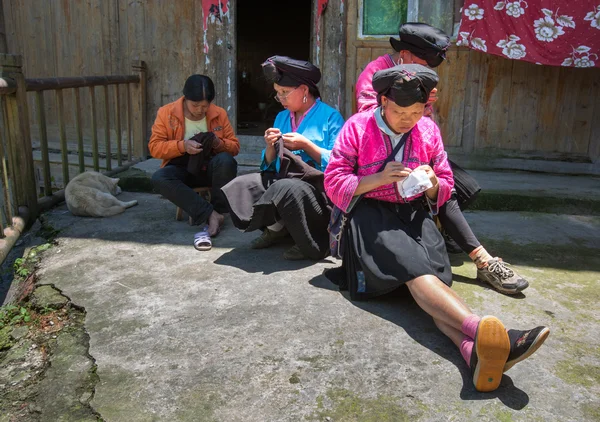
pixel 550 32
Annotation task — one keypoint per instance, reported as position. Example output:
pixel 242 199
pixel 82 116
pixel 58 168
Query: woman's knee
pixel 224 160
pixel 163 175
pixel 425 282
pixel 297 186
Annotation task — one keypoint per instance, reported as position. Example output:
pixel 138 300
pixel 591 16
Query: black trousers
pixel 176 184
pixel 455 224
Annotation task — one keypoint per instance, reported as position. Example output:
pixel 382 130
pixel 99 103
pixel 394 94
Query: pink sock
pixel 469 325
pixel 466 348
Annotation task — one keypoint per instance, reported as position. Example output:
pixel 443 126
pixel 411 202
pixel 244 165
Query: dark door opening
pixel 265 29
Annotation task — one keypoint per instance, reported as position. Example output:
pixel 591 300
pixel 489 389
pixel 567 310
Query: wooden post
pixel 79 129
pixel 129 128
pixel 140 137
pixel 118 124
pixel 107 130
pixel 94 129
pixel 41 112
pixel 19 135
pixel 64 149
pixel 9 173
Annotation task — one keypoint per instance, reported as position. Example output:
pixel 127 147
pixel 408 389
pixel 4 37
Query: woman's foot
pixel 202 240
pixel 524 343
pixel 215 221
pixel 490 353
pixel 268 238
pixel 502 278
pixel 294 254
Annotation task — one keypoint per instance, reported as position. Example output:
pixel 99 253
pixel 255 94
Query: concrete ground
pixel 235 334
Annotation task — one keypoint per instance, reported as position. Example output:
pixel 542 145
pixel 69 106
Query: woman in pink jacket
pixel 423 44
pixel 389 164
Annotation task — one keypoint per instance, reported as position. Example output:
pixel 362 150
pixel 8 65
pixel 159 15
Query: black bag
pixel 465 185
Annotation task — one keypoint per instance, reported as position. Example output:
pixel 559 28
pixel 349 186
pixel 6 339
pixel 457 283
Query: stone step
pixel 501 191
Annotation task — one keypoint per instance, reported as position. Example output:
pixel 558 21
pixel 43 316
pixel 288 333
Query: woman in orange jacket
pixel 197 144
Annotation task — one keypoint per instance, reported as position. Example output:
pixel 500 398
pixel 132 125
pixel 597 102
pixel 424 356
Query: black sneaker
pixel 490 351
pixel 524 343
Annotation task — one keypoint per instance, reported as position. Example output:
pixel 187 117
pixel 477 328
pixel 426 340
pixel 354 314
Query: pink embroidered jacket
pixel 362 143
pixel 366 97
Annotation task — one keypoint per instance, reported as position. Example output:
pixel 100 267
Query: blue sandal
pixel 202 241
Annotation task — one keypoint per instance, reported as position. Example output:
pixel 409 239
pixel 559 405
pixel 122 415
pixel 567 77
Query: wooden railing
pixel 19 202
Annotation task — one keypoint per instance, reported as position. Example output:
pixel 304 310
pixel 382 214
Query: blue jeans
pixel 176 184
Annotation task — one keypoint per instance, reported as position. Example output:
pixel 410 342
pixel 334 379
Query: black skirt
pixel 258 200
pixel 390 244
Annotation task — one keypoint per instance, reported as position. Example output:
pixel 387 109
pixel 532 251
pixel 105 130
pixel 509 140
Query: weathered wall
pixel 491 109
pixel 496 112
pixel 329 50
pixel 91 37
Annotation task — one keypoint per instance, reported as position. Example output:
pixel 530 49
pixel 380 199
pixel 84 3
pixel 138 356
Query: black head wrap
pixel 424 41
pixel 405 84
pixel 286 71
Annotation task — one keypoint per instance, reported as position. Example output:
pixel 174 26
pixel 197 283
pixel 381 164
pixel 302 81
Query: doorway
pixel 271 27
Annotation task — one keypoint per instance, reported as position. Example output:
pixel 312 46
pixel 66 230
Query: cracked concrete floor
pixel 235 334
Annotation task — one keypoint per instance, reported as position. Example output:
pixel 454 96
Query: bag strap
pixel 395 151
pixel 390 157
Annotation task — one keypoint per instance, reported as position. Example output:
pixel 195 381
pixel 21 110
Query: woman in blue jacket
pixel 281 202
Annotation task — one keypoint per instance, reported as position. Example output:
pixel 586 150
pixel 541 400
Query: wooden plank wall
pixel 512 113
pixel 91 37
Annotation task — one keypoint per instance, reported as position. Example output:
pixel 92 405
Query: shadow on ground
pixel 400 309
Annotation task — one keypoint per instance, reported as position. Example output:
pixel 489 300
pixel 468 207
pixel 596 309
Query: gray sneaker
pixel 268 238
pixel 501 277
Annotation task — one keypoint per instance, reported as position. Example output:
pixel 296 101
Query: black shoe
pixel 524 343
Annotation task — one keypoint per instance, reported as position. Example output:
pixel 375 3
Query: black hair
pixel 199 88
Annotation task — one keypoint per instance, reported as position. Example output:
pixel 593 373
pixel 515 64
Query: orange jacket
pixel 166 141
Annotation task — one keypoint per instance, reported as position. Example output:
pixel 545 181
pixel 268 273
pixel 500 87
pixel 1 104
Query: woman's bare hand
pixel 272 135
pixel 432 96
pixel 393 172
pixel 430 173
pixel 294 141
pixel 432 191
pixel 192 147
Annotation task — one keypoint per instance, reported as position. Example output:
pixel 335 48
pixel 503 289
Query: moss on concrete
pixel 51 351
pixel 135 180
pixel 199 405
pixel 591 411
pixel 511 201
pixel 47 297
pixel 577 374
pixel 6 341
pixel 561 273
pixel 343 405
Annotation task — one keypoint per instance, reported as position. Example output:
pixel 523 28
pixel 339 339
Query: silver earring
pixel 304 100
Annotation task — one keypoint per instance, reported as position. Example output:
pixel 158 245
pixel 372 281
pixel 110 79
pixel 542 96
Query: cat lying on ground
pixel 91 194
